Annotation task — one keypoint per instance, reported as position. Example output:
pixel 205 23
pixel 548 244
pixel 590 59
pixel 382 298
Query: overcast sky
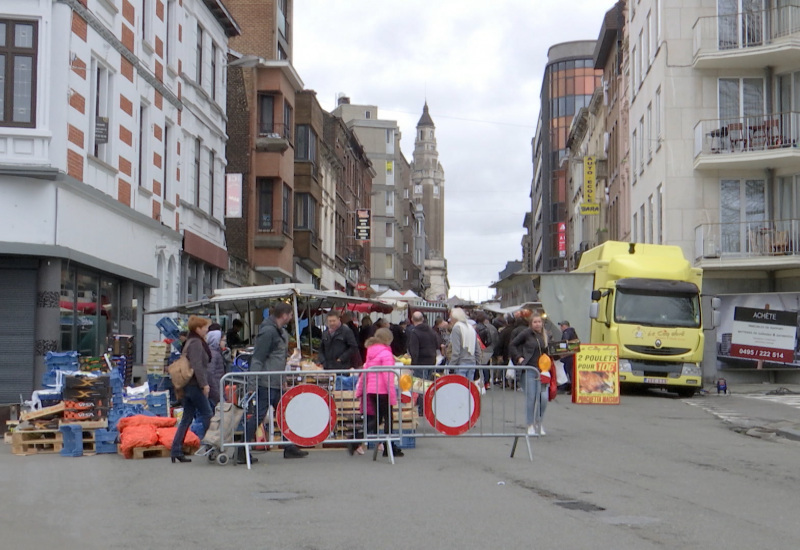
pixel 480 66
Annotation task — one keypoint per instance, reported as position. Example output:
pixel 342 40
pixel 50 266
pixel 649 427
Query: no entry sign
pixel 452 404
pixel 306 415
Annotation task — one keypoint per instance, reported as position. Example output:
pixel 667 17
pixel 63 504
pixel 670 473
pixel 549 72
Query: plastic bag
pixel 511 372
pixel 561 374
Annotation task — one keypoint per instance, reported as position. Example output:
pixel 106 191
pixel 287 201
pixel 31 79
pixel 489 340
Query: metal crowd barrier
pixel 433 401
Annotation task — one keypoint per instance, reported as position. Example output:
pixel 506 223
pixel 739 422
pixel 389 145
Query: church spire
pixel 425 119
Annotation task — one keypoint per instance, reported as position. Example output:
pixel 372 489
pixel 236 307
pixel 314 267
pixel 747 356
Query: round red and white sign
pixel 306 415
pixel 452 404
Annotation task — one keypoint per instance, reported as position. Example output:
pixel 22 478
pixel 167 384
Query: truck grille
pixel 650 350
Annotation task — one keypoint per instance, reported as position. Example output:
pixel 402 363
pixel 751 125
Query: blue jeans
pixel 195 404
pixel 469 373
pixel 536 397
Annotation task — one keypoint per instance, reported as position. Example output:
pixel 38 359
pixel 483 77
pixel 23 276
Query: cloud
pixel 480 67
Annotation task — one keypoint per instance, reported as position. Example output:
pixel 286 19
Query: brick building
pixel 110 170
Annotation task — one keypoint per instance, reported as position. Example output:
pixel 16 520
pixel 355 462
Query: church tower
pixel 427 183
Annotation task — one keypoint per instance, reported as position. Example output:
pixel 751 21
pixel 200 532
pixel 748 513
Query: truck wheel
pixel 685 392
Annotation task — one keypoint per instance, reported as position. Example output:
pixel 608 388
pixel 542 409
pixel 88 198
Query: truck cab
pixel 646 299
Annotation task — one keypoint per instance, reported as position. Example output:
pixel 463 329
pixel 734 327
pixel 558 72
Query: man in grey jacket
pixel 270 355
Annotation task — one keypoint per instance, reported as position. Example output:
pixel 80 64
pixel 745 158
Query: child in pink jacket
pixel 380 389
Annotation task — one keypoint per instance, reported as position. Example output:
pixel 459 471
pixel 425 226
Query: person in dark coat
pixel 338 344
pixel 195 393
pixel 234 337
pixel 363 333
pixel 423 343
pixel 399 346
pixel 355 358
pixel 568 333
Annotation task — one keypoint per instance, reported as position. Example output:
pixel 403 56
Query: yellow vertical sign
pixel 589 179
pixel 589 206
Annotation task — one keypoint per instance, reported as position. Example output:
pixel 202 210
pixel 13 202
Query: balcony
pixel 307 248
pixel 753 142
pixel 748 40
pixel 272 138
pixel 769 244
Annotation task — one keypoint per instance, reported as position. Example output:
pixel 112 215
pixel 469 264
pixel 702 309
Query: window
pixel 646 47
pixel 635 227
pixel 634 157
pixel 740 98
pixel 405 220
pixel 266 114
pixel 305 211
pixel 405 250
pixel 306 143
pixel 640 145
pixel 165 162
pixel 405 273
pixel 199 58
pixel 169 14
pixel 389 265
pixel 658 117
pixel 101 111
pixel 659 215
pixel 144 15
pixel 642 221
pixel 634 73
pixel 264 188
pixel 213 71
pixel 435 190
pixel 389 167
pixel 211 189
pixel 197 172
pixel 287 209
pixel 405 193
pixel 651 218
pixel 389 200
pixel 141 172
pixel 367 115
pixel 742 206
pixel 389 230
pixel 287 119
pixel 649 131
pixel 389 136
pixel 651 33
pixel 641 60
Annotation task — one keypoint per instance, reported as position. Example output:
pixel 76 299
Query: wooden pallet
pixel 156 451
pixel 43 413
pixel 86 424
pixel 31 442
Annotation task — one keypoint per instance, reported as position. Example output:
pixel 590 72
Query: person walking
pixel 527 347
pixel 270 355
pixel 423 343
pixel 465 352
pixel 195 394
pixel 379 387
pixel 338 344
pixel 216 367
pixel 568 333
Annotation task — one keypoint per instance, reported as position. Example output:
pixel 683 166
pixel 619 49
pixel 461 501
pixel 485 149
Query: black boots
pixel 293 451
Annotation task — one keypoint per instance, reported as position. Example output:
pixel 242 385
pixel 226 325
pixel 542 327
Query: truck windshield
pixel 657 310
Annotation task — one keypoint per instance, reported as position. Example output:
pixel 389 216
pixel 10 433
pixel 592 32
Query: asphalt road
pixel 653 472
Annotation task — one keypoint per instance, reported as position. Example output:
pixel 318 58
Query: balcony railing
pixel 751 133
pixel 274 130
pixel 749 29
pixel 747 239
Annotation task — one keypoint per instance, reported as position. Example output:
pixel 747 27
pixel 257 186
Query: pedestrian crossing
pixel 721 410
pixel 792 400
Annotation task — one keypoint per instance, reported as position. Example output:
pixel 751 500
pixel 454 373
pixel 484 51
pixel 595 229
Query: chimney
pixel 342 99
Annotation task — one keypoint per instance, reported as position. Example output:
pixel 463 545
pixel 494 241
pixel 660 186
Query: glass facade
pixel 570 85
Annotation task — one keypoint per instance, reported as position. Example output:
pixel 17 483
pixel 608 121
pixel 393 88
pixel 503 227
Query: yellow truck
pixel 646 299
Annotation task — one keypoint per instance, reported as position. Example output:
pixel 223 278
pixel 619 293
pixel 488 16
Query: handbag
pixel 180 372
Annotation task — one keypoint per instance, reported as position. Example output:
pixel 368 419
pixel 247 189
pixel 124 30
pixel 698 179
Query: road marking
pixel 719 410
pixel 790 400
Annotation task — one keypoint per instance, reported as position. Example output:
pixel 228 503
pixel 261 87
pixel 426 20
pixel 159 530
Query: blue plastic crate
pixel 169 327
pixel 158 410
pixel 106 441
pixel 72 440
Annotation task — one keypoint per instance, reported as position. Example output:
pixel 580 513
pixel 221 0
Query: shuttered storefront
pixel 17 313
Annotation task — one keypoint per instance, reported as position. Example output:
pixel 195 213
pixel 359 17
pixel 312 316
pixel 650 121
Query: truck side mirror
pixel 715 317
pixel 593 308
pixel 715 303
pixel 596 295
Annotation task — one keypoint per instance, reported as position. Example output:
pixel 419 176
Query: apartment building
pixel 381 141
pixel 112 137
pixel 348 179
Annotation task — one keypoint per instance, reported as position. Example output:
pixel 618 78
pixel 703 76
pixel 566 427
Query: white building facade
pixel 109 205
pixel 715 168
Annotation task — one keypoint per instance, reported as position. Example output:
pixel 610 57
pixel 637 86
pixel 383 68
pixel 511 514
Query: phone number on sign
pixel 760 353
